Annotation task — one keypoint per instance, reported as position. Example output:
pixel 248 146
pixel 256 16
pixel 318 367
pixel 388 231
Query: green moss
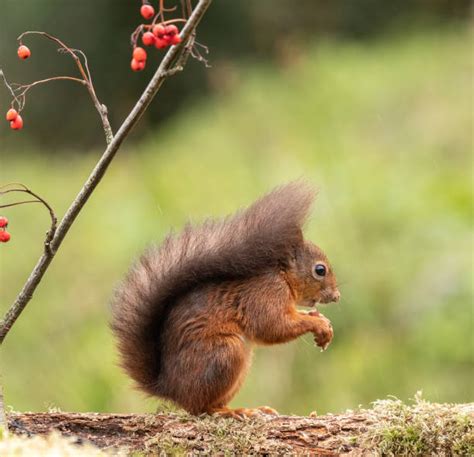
pixel 208 435
pixel 422 428
pixel 394 429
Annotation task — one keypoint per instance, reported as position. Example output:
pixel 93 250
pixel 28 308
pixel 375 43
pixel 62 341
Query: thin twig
pixel 54 221
pixel 196 53
pixel 85 73
pixel 18 86
pixel 9 205
pixel 86 63
pixel 13 184
pixel 10 88
pixel 136 34
pixel 190 7
pixel 173 55
pixel 183 57
pixel 20 97
pixel 160 14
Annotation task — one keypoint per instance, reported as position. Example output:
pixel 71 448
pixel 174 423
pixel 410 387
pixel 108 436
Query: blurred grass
pixel 381 129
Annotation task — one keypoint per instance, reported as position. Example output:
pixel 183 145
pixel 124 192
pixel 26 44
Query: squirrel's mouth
pixel 309 303
pixel 313 303
pixel 329 296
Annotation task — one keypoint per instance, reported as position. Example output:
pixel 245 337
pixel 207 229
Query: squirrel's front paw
pixel 323 332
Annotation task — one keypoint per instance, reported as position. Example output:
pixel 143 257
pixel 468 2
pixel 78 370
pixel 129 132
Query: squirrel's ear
pixel 292 262
pixel 295 252
pixel 299 241
pixel 300 236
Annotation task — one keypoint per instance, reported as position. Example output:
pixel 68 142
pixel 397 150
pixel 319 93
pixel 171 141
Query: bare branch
pixel 8 86
pixel 20 90
pixel 136 34
pixel 9 205
pixel 46 80
pixel 85 73
pixel 196 53
pixel 12 184
pixel 54 221
pixel 173 55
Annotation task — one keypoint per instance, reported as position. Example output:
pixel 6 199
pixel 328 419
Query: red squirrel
pixel 189 311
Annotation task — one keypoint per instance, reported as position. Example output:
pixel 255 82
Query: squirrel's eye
pixel 320 270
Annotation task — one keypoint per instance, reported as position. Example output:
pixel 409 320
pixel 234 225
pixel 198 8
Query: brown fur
pixel 189 310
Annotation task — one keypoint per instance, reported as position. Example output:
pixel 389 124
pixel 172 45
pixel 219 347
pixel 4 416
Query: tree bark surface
pixel 163 433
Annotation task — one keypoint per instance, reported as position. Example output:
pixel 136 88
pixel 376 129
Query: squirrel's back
pixel 260 238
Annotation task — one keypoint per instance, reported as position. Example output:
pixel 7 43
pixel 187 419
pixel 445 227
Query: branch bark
pixel 164 70
pixel 181 434
pixel 390 427
pixel 18 187
pixel 86 75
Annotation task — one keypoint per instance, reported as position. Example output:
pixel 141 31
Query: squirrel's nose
pixel 336 295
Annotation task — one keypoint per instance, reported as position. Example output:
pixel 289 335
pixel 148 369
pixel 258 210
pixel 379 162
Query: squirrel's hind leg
pixel 206 375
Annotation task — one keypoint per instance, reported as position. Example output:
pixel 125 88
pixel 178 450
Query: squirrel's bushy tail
pixel 250 242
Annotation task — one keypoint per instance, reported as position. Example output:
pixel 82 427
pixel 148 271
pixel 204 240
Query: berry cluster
pixel 138 59
pixel 16 121
pixel 166 35
pixel 4 235
pixel 159 35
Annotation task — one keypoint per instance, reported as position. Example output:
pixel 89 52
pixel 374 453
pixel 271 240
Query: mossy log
pixel 390 428
pixel 172 433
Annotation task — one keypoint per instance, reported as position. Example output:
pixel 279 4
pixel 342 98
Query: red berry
pixel 17 123
pixel 11 114
pixel 139 54
pixel 23 52
pixel 159 30
pixel 171 29
pixel 137 65
pixel 147 11
pixel 175 39
pixel 161 44
pixel 148 39
pixel 4 236
pixel 3 221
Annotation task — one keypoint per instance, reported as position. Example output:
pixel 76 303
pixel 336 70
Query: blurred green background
pixel 373 107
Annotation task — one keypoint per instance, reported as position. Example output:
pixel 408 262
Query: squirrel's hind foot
pixel 268 411
pixel 243 413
